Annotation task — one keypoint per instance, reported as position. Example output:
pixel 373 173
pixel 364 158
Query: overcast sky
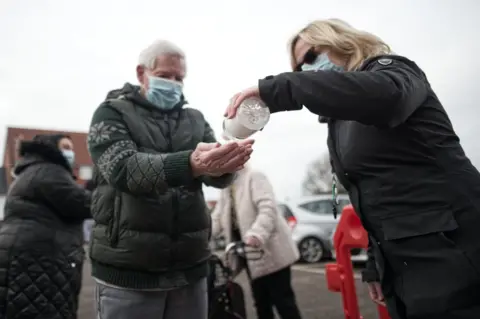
pixel 59 58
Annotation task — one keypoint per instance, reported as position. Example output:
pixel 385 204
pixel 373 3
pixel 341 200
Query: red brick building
pixel 83 163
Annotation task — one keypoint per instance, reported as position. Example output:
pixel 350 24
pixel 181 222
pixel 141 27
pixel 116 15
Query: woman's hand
pixel 375 292
pixel 238 98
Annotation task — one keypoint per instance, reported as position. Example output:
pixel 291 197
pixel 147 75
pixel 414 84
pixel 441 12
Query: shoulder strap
pixel 233 210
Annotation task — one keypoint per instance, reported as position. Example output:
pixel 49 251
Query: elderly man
pixel 149 247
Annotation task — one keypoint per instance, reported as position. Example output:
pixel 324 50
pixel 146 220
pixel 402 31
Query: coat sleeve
pixel 384 96
pixel 263 198
pixel 126 168
pixel 220 181
pixel 58 189
pixel 370 273
pixel 217 228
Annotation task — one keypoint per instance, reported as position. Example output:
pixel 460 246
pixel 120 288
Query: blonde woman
pixel 394 148
pixel 247 211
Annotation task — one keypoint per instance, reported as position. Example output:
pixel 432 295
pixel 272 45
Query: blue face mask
pixel 163 93
pixel 69 156
pixel 322 62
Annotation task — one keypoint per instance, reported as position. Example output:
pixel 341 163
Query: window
pixel 85 173
pixel 321 207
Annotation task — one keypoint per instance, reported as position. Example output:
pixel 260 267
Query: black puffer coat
pixel 41 240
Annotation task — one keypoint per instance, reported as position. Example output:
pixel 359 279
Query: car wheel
pixel 311 250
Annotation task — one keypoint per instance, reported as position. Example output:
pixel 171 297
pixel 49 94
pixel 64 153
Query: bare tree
pixel 318 179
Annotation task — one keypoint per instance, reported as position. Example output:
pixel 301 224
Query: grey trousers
pixel 188 302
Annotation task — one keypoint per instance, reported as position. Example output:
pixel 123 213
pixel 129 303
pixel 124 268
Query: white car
pixel 312 222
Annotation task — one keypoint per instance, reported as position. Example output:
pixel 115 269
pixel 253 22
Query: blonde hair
pixel 343 39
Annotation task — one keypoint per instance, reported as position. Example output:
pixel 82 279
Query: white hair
pixel 148 56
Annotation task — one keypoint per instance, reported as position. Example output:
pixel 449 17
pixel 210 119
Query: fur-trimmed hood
pixel 35 152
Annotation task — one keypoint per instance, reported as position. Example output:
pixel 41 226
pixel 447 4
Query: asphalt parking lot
pixel 314 300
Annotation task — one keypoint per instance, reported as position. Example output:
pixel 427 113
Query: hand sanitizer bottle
pixel 252 116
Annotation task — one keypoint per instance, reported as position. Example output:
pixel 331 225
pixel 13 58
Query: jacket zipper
pixel 115 228
pixel 337 167
pixel 338 170
pixel 174 236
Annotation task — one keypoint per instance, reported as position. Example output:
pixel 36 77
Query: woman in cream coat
pixel 247 211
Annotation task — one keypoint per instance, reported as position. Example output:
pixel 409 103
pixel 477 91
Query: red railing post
pixel 350 234
pixel 383 313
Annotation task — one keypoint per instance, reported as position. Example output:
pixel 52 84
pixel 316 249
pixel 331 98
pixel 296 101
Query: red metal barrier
pixel 350 234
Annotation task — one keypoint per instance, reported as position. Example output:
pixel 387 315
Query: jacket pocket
pixel 115 224
pixel 422 253
pixel 418 223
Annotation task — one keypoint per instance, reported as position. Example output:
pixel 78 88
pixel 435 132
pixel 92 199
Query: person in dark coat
pixel 393 147
pixel 41 239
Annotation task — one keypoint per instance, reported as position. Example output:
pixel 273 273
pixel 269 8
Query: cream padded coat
pixel 258 215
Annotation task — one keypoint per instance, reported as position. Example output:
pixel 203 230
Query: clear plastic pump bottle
pixel 252 116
